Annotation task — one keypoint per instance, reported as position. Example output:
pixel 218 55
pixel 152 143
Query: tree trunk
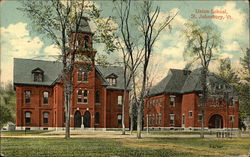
pixel 67 116
pixel 131 123
pixel 123 112
pixel 139 121
pixel 204 98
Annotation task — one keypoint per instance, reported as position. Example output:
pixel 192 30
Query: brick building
pixel 174 103
pixel 97 91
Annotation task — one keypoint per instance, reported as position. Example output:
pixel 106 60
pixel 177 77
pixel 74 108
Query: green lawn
pixel 163 147
pixel 23 132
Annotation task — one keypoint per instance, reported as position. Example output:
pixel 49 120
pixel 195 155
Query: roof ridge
pixel 35 60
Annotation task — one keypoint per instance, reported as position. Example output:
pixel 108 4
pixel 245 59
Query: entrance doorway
pixel 77 119
pixel 216 121
pixel 87 119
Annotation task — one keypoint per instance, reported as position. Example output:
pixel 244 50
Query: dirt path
pixel 102 134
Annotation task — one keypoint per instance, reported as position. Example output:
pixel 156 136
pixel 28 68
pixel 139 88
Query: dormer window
pixel 37 75
pixel 112 79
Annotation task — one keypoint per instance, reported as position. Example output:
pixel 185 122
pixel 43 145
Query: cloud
pixel 234 46
pixel 235 27
pixel 16 42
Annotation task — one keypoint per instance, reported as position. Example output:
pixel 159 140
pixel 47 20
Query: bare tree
pixel 202 44
pixel 131 55
pixel 150 31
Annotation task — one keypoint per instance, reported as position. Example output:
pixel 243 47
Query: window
pixel 111 81
pixel 171 119
pixel 159 119
pixel 190 114
pixel 172 100
pixel 119 119
pixel 79 96
pixel 45 118
pixel 97 96
pixel 199 99
pixel 27 96
pixel 38 77
pixel 231 118
pixel 153 119
pixel 86 42
pixel 45 97
pixel 79 76
pixel 97 118
pixel 85 76
pixel 27 117
pixel 85 97
pixel 232 103
pixel 119 100
pixel 37 74
pixel 200 117
pixel 183 119
pixel 148 119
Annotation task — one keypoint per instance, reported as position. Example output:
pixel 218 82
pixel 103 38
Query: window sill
pixel 98 103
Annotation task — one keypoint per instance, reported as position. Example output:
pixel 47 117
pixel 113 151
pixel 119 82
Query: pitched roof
pixel 171 84
pixel 176 82
pixel 23 72
pixel 114 70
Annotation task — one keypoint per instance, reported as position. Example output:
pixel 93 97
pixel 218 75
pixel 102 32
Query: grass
pixel 153 147
pixel 179 133
pixel 23 133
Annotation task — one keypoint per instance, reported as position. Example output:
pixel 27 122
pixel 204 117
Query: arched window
pixel 79 78
pixel 97 96
pixel 45 117
pixel 97 118
pixel 86 42
pixel 27 117
pixel 79 96
pixel 85 97
pixel 45 97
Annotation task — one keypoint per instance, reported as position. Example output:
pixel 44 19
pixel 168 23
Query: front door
pixel 87 119
pixel 216 121
pixel 77 119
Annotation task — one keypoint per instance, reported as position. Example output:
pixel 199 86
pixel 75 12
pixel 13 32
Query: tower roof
pixel 84 26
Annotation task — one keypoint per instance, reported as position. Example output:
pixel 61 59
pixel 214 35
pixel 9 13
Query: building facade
pixel 175 103
pixel 97 93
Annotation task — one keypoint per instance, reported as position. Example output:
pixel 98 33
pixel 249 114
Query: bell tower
pixel 80 43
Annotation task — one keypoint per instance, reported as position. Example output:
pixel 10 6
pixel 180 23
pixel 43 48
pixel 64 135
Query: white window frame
pixel 85 97
pixel 45 96
pixel 79 97
pixel 119 100
pixel 171 118
pixel 191 114
pixel 172 99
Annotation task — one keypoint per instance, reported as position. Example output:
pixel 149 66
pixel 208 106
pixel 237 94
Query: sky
pixel 232 25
